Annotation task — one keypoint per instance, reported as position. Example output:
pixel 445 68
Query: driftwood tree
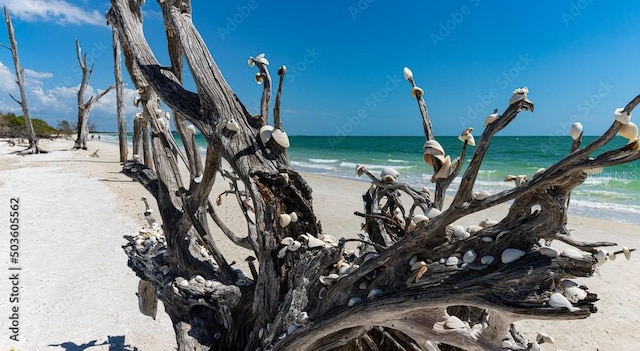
pixel 418 282
pixel 84 108
pixel 120 114
pixel 31 134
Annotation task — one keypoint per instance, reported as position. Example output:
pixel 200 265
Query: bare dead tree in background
pixel 418 282
pixel 120 114
pixel 31 134
pixel 84 108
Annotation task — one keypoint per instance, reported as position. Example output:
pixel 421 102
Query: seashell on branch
pixel 487 259
pixel 518 95
pixel 558 300
pixel 549 251
pixel 284 220
pixel 571 253
pixel 232 125
pixel 491 118
pixel 509 255
pixel 389 175
pixel 280 138
pixel 408 75
pixel 417 92
pixel 469 256
pixel 574 294
pixel 445 169
pixel 576 130
pixel 265 133
pixel 629 131
pixel 621 116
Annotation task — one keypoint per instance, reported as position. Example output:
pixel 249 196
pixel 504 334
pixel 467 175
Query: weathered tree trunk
pixel 84 108
pixel 31 134
pixel 405 290
pixel 122 121
pixel 137 135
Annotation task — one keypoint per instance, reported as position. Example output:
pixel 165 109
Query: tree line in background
pixel 12 126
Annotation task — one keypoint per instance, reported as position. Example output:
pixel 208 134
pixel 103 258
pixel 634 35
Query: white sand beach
pixel 77 293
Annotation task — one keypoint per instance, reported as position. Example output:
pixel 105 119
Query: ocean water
pixel 613 194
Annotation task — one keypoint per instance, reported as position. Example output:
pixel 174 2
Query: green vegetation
pixel 12 126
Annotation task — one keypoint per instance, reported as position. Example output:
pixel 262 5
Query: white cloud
pixel 58 11
pixel 29 73
pixel 7 80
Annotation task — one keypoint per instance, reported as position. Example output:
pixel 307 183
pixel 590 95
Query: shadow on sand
pixel 115 343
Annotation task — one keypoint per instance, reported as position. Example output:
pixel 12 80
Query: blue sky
pixel 578 58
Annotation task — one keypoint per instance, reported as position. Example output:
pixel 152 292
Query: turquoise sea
pixel 613 194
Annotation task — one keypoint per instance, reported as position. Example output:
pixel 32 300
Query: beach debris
pixel 626 252
pixel 232 125
pixel 518 179
pixel 629 131
pixel 510 254
pixel 549 251
pixel 289 245
pixel 467 137
pixel 557 300
pixel 621 115
pixel 408 75
pixel 601 256
pixel 491 118
pixel 389 175
pixel 576 130
pixel 519 95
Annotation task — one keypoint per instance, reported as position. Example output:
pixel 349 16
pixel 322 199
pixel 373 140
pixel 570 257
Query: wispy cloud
pixel 7 79
pixel 58 11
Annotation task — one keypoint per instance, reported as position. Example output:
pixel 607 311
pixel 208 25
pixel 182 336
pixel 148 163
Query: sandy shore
pixel 77 293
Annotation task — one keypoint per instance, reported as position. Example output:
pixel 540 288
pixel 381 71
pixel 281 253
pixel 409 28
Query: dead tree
pixel 418 283
pixel 122 121
pixel 84 108
pixel 31 134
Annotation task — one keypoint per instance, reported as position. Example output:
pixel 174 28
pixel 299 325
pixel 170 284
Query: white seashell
pixel 295 245
pixel 491 118
pixel 474 228
pixel 199 279
pixel 558 300
pixel 329 279
pixel 323 292
pixel 460 233
pixel 313 242
pixel 417 92
pixel 417 265
pixel 408 75
pixel 284 220
pixel 571 253
pixel 294 217
pixel 261 59
pixel 629 131
pixel 519 95
pixel 576 130
pixel 374 293
pixel 432 212
pixel 612 256
pixel 574 294
pixel 283 252
pixel 542 338
pixel 487 259
pixel 509 255
pixel 452 261
pixel 454 322
pixel 420 218
pixel 259 78
pixel 481 195
pixel 191 129
pixel 549 251
pixel 251 61
pixel 301 319
pixel 363 285
pixel 389 175
pixel 354 301
pixel 291 329
pixel 285 177
pixel 287 241
pixel 281 138
pixel 467 136
pixel 260 333
pixel 534 347
pixel 487 239
pixel 183 282
pixel 445 169
pixel 432 147
pixel 208 283
pixel 265 133
pixel 232 125
pixel 601 257
pixel 412 260
pixel 469 256
pixel 360 170
pixel 627 253
pixel 442 260
pixel 622 116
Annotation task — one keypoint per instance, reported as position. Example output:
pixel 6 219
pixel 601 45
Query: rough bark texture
pixel 84 108
pixel 122 119
pixel 403 290
pixel 31 134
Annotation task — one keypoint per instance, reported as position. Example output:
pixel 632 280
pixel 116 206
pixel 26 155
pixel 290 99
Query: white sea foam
pixel 311 165
pixel 397 161
pixel 322 160
pixel 369 166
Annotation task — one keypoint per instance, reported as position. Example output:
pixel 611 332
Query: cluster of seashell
pixel 388 175
pixel 433 150
pixel 628 130
pixel 301 320
pixel 467 137
pixel 268 133
pixel 310 242
pixel 519 95
pixel 491 118
pixel 149 237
